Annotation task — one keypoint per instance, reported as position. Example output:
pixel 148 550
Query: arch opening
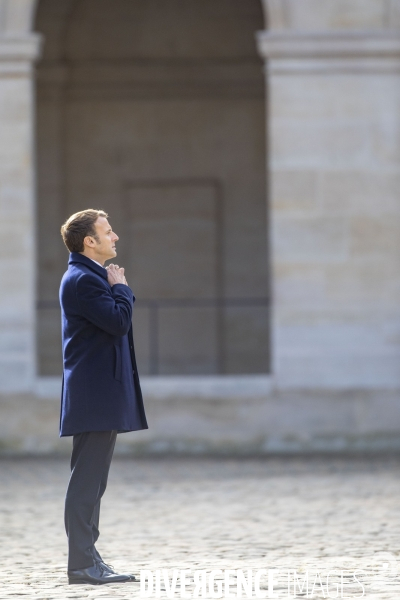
pixel 154 111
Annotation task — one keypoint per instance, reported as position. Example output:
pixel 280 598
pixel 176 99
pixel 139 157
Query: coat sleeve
pixel 108 309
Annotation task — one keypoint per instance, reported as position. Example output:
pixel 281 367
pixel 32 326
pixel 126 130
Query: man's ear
pixel 89 241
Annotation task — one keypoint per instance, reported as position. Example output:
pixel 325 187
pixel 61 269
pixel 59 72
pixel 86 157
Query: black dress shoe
pixel 96 575
pixel 109 568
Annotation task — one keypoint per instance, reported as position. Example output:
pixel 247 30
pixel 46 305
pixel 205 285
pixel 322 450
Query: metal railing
pixel 155 305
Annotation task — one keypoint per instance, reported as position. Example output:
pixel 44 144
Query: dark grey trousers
pixel 90 463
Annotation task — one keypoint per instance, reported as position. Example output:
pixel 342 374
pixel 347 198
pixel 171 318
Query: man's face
pixel 105 246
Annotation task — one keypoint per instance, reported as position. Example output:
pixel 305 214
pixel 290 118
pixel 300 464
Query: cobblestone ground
pixel 314 515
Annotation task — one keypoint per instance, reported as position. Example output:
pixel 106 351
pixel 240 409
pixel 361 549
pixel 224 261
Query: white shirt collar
pixel 97 263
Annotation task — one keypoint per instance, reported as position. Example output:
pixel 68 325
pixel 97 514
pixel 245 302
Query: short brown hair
pixel 78 226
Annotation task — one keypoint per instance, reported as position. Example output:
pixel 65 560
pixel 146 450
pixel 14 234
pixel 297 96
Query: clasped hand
pixel 116 274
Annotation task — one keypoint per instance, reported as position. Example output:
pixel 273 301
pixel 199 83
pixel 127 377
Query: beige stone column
pixel 333 75
pixel 18 50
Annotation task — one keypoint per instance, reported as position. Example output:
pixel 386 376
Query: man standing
pixel 101 393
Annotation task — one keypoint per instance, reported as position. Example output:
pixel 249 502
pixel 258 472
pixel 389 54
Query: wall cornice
pixel 20 47
pixel 291 44
pixel 18 53
pixel 371 51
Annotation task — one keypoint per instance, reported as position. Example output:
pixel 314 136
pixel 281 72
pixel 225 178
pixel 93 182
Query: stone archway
pixel 155 111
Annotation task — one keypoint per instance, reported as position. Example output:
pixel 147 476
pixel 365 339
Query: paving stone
pixel 309 514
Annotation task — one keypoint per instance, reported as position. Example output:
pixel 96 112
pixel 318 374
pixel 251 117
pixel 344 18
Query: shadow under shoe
pixel 95 575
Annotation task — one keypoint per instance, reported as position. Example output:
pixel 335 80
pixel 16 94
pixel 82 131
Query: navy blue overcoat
pixel 101 388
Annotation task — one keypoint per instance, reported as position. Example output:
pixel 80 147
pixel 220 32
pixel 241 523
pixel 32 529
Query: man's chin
pixel 111 256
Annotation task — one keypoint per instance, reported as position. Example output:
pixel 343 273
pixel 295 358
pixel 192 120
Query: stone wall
pixel 333 87
pixel 334 93
pixel 323 15
pixel 220 416
pixel 18 48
